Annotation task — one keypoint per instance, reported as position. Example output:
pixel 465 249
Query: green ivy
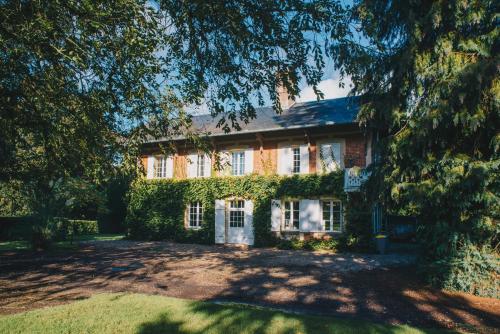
pixel 156 208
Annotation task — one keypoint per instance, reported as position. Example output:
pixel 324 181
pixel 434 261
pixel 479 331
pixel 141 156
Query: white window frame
pixel 293 211
pixel 331 216
pixel 195 209
pixel 294 155
pixel 160 167
pixel 238 166
pixel 240 209
pixel 319 159
pixel 200 165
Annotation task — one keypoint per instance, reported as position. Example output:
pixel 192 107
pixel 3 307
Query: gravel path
pixel 382 288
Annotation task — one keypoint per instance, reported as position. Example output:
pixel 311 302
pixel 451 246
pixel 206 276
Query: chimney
pixel 286 100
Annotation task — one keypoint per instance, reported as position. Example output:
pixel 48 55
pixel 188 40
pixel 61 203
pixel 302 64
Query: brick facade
pixel 265 158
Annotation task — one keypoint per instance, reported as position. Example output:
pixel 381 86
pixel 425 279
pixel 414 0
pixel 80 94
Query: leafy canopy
pixel 83 83
pixel 428 72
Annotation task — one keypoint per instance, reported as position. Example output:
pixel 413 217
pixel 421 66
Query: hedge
pixel 157 207
pixel 21 228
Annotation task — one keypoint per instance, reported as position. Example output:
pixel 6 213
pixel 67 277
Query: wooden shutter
pixel 150 172
pixel 208 165
pixel 220 221
pixel 248 229
pixel 249 161
pixel 170 167
pixel 309 215
pixel 275 215
pixel 284 160
pixel 191 165
pixel 304 159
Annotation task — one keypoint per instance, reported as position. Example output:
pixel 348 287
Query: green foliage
pixel 467 268
pixel 112 220
pixel 41 237
pixel 331 244
pixel 359 231
pixel 428 72
pixel 156 208
pixel 67 229
pixel 83 84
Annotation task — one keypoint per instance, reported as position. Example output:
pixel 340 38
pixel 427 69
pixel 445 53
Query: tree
pixel 428 73
pixel 83 83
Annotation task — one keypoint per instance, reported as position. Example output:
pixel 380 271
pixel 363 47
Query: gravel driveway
pixel 374 287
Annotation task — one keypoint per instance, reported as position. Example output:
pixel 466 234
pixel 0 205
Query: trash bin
pixel 381 243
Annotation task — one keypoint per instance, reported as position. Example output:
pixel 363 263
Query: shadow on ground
pixel 261 277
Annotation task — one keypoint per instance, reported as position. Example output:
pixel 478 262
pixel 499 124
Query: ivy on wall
pixel 157 207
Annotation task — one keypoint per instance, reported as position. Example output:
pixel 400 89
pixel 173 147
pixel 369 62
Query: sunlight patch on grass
pixel 142 314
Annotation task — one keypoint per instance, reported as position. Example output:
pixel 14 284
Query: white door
pixel 239 222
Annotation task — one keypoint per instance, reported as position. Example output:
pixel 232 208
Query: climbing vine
pixel 157 207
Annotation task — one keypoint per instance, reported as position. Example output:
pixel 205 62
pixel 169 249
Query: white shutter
pixel 315 215
pixel 150 172
pixel 208 165
pixel 248 229
pixel 249 161
pixel 170 167
pixel 220 221
pixel 309 215
pixel 304 159
pixel 275 215
pixel 225 163
pixel 191 165
pixel 284 160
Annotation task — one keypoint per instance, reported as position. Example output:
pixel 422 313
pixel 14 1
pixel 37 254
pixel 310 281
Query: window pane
pixel 242 163
pixel 296 160
pixel 195 214
pixel 295 215
pixel 200 167
pixel 326 214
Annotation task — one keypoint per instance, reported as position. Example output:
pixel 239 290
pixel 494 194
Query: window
pixel 160 167
pixel 296 160
pixel 200 165
pixel 238 163
pixel 195 214
pixel 291 215
pixel 329 157
pixel 331 212
pixel 236 213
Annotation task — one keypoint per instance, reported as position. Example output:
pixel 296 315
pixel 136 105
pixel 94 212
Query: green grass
pixel 64 245
pixel 142 314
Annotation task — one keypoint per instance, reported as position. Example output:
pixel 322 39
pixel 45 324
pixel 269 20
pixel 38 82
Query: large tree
pixel 82 82
pixel 428 73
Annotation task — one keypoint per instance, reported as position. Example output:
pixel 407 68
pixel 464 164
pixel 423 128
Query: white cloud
pixel 329 87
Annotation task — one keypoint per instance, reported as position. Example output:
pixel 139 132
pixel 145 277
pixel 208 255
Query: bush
pixel 311 244
pixel 66 229
pixel 156 208
pixel 16 228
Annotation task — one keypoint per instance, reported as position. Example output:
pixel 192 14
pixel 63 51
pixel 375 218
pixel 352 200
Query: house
pixel 307 138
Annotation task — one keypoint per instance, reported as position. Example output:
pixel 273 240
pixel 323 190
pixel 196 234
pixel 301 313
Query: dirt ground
pixel 375 288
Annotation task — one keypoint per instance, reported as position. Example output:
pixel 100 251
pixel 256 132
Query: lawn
pixel 143 314
pixel 24 245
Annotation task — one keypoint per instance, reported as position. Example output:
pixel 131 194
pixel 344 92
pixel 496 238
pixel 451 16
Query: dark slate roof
pixel 300 115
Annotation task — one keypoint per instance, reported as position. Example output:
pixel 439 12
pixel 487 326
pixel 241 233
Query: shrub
pixel 66 229
pixel 311 244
